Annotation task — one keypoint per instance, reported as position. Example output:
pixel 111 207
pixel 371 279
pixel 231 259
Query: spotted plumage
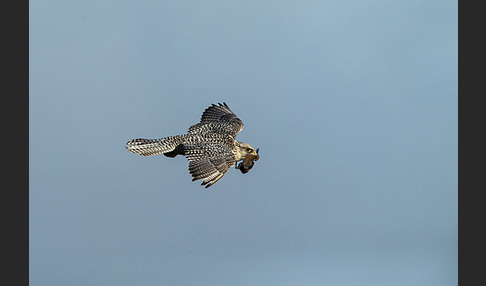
pixel 210 146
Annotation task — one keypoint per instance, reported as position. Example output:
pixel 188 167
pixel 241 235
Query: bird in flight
pixel 210 146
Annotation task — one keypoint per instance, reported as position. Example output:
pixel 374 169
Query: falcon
pixel 210 146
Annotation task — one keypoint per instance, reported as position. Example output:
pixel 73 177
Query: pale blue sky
pixel 353 105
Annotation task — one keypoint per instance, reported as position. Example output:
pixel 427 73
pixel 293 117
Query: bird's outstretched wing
pixel 208 161
pixel 218 119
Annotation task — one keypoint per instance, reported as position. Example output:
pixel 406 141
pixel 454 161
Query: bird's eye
pixel 249 150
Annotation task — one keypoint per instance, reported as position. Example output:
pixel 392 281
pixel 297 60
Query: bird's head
pixel 244 150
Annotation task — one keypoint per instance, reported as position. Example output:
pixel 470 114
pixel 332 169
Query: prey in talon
pixel 246 165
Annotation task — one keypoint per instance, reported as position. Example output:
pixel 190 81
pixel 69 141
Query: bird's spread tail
pixel 149 147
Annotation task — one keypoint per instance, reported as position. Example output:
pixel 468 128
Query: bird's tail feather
pixel 149 147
